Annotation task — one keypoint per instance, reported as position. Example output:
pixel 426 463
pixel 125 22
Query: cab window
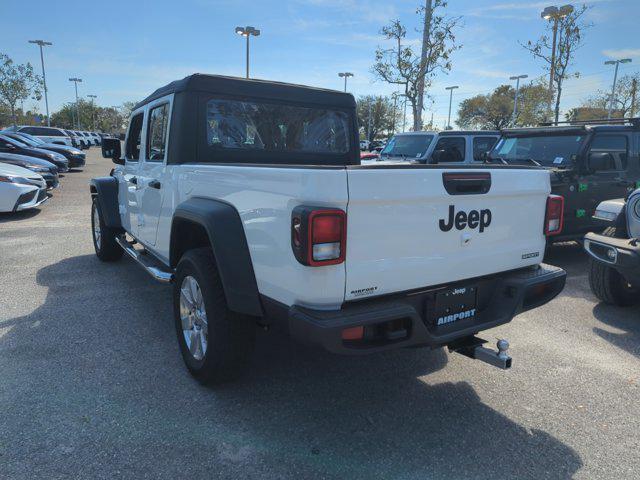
pixel 616 145
pixel 132 149
pixel 482 145
pixel 157 133
pixel 453 149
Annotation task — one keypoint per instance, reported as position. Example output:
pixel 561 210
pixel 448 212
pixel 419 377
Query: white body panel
pixel 265 198
pixel 394 242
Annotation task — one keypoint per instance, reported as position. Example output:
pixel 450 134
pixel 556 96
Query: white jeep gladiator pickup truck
pixel 248 196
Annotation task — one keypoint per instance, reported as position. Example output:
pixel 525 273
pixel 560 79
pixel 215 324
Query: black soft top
pixel 248 88
pixel 188 133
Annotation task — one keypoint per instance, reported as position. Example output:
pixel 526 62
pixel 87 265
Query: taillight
pixel 554 217
pixel 318 235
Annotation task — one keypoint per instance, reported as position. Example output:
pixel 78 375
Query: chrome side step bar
pixel 152 267
pixel 472 347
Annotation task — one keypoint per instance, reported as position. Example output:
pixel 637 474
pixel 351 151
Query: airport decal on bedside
pixel 363 291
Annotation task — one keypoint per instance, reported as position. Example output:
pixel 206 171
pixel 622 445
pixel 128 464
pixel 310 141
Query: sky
pixel 126 50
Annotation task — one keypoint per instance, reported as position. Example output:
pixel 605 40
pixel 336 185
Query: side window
pixel 52 132
pixel 482 145
pixel 616 145
pixel 453 149
pixel 132 149
pixel 157 133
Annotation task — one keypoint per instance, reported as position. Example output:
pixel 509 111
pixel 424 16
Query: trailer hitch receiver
pixel 472 347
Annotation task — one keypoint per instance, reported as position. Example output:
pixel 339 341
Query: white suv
pixel 450 147
pixel 48 134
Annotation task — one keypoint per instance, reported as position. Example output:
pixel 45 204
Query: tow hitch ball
pixel 472 347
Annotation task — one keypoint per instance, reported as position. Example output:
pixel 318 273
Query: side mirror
pixel 484 157
pixel 600 161
pixel 111 149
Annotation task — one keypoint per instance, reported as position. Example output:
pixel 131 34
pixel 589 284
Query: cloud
pixel 622 53
pixel 518 11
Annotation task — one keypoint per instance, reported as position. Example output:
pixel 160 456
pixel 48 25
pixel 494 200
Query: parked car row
pixel 30 167
pixel 73 138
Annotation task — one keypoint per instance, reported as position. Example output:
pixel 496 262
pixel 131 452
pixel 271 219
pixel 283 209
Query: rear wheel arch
pixel 215 224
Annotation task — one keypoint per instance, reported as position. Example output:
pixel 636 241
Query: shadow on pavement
pixel 93 386
pixel 17 216
pixel 568 255
pixel 625 319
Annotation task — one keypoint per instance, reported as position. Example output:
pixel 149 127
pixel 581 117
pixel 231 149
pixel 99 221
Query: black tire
pixel 230 335
pixel 106 247
pixel 608 285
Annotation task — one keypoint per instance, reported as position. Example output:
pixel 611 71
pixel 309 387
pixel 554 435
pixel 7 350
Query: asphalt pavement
pixel 92 384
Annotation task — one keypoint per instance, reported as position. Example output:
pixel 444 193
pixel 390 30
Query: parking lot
pixel 93 386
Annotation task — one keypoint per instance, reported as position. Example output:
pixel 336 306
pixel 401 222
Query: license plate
pixel 455 304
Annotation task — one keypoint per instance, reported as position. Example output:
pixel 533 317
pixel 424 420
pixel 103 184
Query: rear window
pixel 407 146
pixel 270 127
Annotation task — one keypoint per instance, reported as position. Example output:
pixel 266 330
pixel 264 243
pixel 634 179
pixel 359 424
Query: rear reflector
pixel 554 217
pixel 353 333
pixel 318 236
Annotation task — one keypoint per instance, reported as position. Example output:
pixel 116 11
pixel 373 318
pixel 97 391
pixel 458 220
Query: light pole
pixel 42 43
pixel 615 79
pixel 75 80
pixel 515 100
pixel 345 75
pixel 93 109
pixel 554 14
pixel 247 32
pixel 451 89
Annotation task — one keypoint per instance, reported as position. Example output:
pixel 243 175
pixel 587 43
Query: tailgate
pixel 406 230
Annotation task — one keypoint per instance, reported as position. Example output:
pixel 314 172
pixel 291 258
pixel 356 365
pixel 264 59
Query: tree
pixel 495 110
pixel 384 116
pixel 400 65
pixel 569 39
pixel 597 106
pixel 106 119
pixel 18 82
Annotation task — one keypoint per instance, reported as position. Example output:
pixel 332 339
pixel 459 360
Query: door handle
pixel 133 180
pixel 155 184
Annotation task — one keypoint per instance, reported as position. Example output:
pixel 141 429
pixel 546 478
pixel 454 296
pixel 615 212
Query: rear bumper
pixel 500 298
pixel 622 254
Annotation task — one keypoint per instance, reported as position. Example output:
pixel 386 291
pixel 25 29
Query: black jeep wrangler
pixel 589 163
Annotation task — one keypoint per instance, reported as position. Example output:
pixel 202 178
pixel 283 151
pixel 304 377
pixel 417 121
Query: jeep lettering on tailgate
pixel 474 219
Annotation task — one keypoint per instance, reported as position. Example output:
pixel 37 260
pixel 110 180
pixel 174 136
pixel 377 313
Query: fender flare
pixel 225 232
pixel 105 189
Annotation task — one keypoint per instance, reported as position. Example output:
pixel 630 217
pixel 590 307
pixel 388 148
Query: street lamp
pixel 93 109
pixel 515 100
pixel 615 79
pixel 42 43
pixel 75 80
pixel 247 32
pixel 555 14
pixel 345 75
pixel 451 89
